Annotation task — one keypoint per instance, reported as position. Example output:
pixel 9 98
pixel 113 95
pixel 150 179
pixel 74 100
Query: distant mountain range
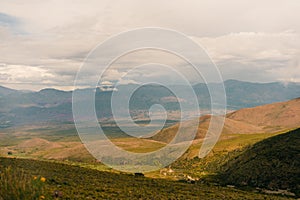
pixel 19 107
pixel 6 91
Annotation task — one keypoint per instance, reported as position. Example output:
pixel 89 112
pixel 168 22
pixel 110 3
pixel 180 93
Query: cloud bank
pixel 43 43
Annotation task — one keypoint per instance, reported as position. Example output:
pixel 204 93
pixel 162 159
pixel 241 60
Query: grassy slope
pixel 81 183
pixel 228 147
pixel 273 163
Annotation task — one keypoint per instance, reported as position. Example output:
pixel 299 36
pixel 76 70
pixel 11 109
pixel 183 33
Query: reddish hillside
pixel 272 116
pixel 262 119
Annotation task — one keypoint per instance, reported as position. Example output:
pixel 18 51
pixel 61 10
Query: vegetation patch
pixel 271 164
pixel 73 182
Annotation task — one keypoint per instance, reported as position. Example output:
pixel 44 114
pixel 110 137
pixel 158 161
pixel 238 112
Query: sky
pixel 43 43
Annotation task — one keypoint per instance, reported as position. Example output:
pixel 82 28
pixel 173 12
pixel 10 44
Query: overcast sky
pixel 44 42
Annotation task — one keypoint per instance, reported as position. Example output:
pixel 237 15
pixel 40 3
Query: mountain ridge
pixel 265 118
pixel 51 104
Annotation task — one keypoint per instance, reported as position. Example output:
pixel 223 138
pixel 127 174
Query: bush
pixel 15 184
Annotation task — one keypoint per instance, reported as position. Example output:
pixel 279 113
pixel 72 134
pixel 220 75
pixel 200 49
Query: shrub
pixel 15 184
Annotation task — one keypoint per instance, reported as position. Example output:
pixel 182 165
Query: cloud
pixel 287 73
pixel 106 83
pixel 255 40
pixel 255 56
pixel 25 74
pixel 112 75
pixel 253 46
pixel 7 20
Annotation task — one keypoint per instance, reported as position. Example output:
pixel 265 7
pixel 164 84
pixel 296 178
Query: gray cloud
pixel 48 40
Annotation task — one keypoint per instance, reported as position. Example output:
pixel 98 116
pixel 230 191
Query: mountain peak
pixel 5 91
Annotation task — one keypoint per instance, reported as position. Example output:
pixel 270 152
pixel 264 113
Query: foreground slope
pixel 81 183
pixel 273 163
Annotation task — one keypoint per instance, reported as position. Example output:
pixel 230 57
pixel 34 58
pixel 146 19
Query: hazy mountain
pixel 6 91
pixel 244 94
pixel 54 105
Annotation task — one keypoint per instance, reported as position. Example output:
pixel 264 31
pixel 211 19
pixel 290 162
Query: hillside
pixel 75 182
pixel 273 163
pixel 280 115
pixel 261 119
